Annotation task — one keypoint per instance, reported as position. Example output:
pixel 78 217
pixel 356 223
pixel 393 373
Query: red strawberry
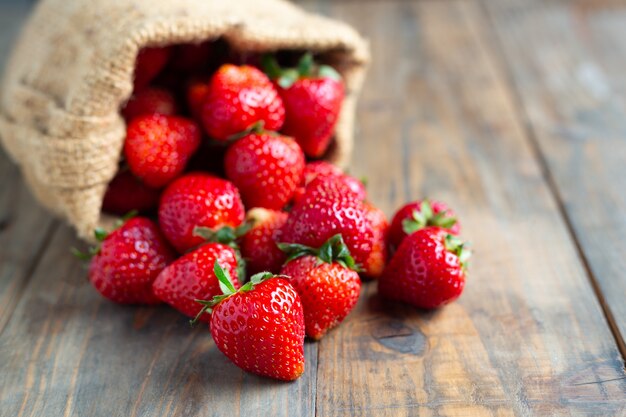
pixel 198 199
pixel 158 147
pixel 417 215
pixel 258 245
pixel 191 278
pixel 126 193
pixel 148 101
pixel 312 97
pixel 328 286
pixel 326 209
pixel 238 97
pixel 428 269
pixel 315 169
pixel 191 57
pixel 266 167
pixel 377 259
pixel 260 327
pixel 128 260
pixel 197 92
pixel 150 62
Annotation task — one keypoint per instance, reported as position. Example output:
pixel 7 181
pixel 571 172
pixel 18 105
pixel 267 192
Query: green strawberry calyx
pixel 333 250
pixel 228 289
pixel 306 68
pixel 226 235
pixel 425 217
pixel 100 235
pixel 455 245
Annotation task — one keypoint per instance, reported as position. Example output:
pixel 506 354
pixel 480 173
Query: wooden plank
pixel 12 14
pixel 24 225
pixel 24 232
pixel 67 351
pixel 528 336
pixel 568 60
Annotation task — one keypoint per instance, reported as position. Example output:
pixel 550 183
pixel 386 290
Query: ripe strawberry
pixel 126 193
pixel 150 62
pixel 191 278
pixel 326 281
pixel 258 245
pixel 417 215
pixel 197 91
pixel 377 259
pixel 128 260
pixel 326 209
pixel 428 269
pixel 238 97
pixel 148 101
pixel 312 97
pixel 322 168
pixel 191 57
pixel 266 167
pixel 198 199
pixel 260 327
pixel 158 147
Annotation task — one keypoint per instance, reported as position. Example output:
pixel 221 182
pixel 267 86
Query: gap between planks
pixel 503 66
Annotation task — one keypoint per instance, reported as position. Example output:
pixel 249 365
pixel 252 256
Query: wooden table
pixel 514 112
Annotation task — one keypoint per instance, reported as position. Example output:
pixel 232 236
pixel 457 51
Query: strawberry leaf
pixel 100 234
pixel 271 67
pixel 455 245
pixel 224 279
pixel 288 78
pixel 295 250
pixel 426 210
pixel 326 71
pixel 305 65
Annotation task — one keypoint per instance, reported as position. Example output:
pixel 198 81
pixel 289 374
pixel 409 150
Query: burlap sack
pixel 73 66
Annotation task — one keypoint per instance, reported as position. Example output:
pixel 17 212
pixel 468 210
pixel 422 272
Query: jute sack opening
pixel 72 69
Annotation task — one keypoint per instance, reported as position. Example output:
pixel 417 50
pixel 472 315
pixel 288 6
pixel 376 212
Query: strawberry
pixel 258 245
pixel 158 147
pixel 127 261
pixel 428 269
pixel 149 63
pixel 197 91
pixel 326 281
pixel 148 101
pixel 377 259
pixel 312 96
pixel 259 327
pixel 266 167
pixel 198 199
pixel 322 168
pixel 191 278
pixel 238 97
pixel 191 57
pixel 126 193
pixel 417 215
pixel 326 209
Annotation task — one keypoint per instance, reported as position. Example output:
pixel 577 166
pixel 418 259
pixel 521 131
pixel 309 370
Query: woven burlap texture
pixel 72 68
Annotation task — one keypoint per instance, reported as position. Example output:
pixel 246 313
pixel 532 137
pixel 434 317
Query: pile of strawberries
pixel 241 225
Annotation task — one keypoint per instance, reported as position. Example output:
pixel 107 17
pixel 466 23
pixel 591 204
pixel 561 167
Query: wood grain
pixel 568 61
pixel 528 337
pixel 24 232
pixel 67 351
